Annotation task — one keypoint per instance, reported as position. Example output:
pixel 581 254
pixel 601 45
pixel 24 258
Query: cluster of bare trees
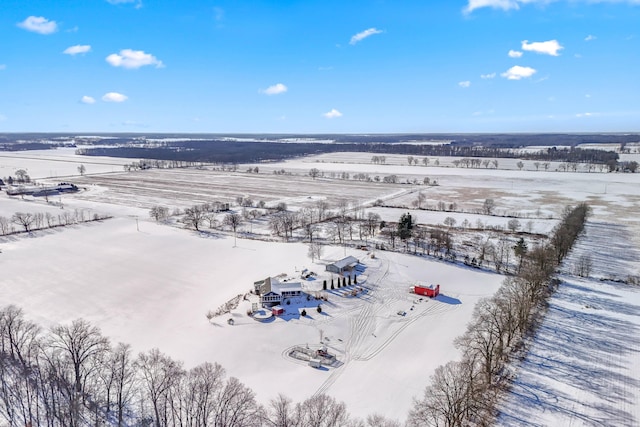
pixel 71 376
pixel 476 163
pixel 197 215
pixel 21 177
pixel 24 222
pixel 155 163
pixel 464 392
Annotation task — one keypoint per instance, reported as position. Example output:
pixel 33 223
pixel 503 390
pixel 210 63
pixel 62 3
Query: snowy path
pixel 370 328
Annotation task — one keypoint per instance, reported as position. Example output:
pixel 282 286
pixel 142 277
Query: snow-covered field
pixel 582 368
pixel 60 162
pixel 151 284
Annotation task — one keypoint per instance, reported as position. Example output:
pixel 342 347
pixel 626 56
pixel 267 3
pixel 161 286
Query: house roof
pixel 280 287
pixel 348 261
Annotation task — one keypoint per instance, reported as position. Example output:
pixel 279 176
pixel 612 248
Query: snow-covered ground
pixel 151 285
pixel 57 163
pixel 582 368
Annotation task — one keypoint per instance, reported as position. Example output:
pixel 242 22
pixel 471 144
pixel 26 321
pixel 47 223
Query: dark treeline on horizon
pixel 486 139
pixel 247 152
pixel 225 148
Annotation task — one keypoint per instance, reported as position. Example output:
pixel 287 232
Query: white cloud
pixel 114 97
pixel 129 58
pixel 517 72
pixel 515 53
pixel 79 48
pixel 364 34
pixel 584 114
pixel 333 114
pixel 483 113
pixel 550 47
pixel 39 24
pixel 515 4
pixel 589 38
pixel 488 76
pixel 138 3
pixel 275 89
pixel 3 67
pixel 495 4
pixel 88 100
pixel 464 84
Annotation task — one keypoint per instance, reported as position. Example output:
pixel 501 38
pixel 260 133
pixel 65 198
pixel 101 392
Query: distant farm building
pixel 277 310
pixel 428 291
pixel 39 191
pixel 275 290
pixel 345 265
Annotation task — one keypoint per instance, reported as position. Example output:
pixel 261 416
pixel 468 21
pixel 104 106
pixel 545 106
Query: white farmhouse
pixel 275 290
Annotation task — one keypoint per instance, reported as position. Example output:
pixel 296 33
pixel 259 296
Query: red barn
pixel 277 310
pixel 428 291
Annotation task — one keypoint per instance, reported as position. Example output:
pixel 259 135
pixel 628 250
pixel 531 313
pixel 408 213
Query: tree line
pixel 225 151
pixel 71 376
pixel 27 221
pixel 465 392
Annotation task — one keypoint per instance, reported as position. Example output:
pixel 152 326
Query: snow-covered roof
pixel 280 287
pixel 344 262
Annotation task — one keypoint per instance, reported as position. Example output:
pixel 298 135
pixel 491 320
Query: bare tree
pixel 5 226
pixel 22 176
pixel 322 411
pixel 450 222
pixel 121 367
pixel 236 405
pixel 449 400
pixel 158 373
pixel 80 343
pixel 314 173
pixel 281 412
pixel 583 266
pixel 377 420
pixel 24 220
pixel 488 206
pixel 194 216
pixel 82 169
pixel 159 213
pixel 321 207
pixel 513 225
pixel 420 199
pixel 233 220
pixel 315 251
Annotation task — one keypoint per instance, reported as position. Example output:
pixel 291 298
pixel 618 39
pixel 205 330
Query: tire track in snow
pixel 358 322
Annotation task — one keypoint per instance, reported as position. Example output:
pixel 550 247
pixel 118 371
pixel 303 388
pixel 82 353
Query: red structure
pixel 277 310
pixel 428 291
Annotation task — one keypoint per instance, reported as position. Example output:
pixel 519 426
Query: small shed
pixel 342 266
pixel 277 310
pixel 315 363
pixel 428 291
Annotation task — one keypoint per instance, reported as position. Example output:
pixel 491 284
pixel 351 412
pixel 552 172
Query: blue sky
pixel 307 66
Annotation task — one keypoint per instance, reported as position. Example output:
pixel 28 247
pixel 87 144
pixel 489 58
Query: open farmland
pixel 151 284
pixel 185 187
